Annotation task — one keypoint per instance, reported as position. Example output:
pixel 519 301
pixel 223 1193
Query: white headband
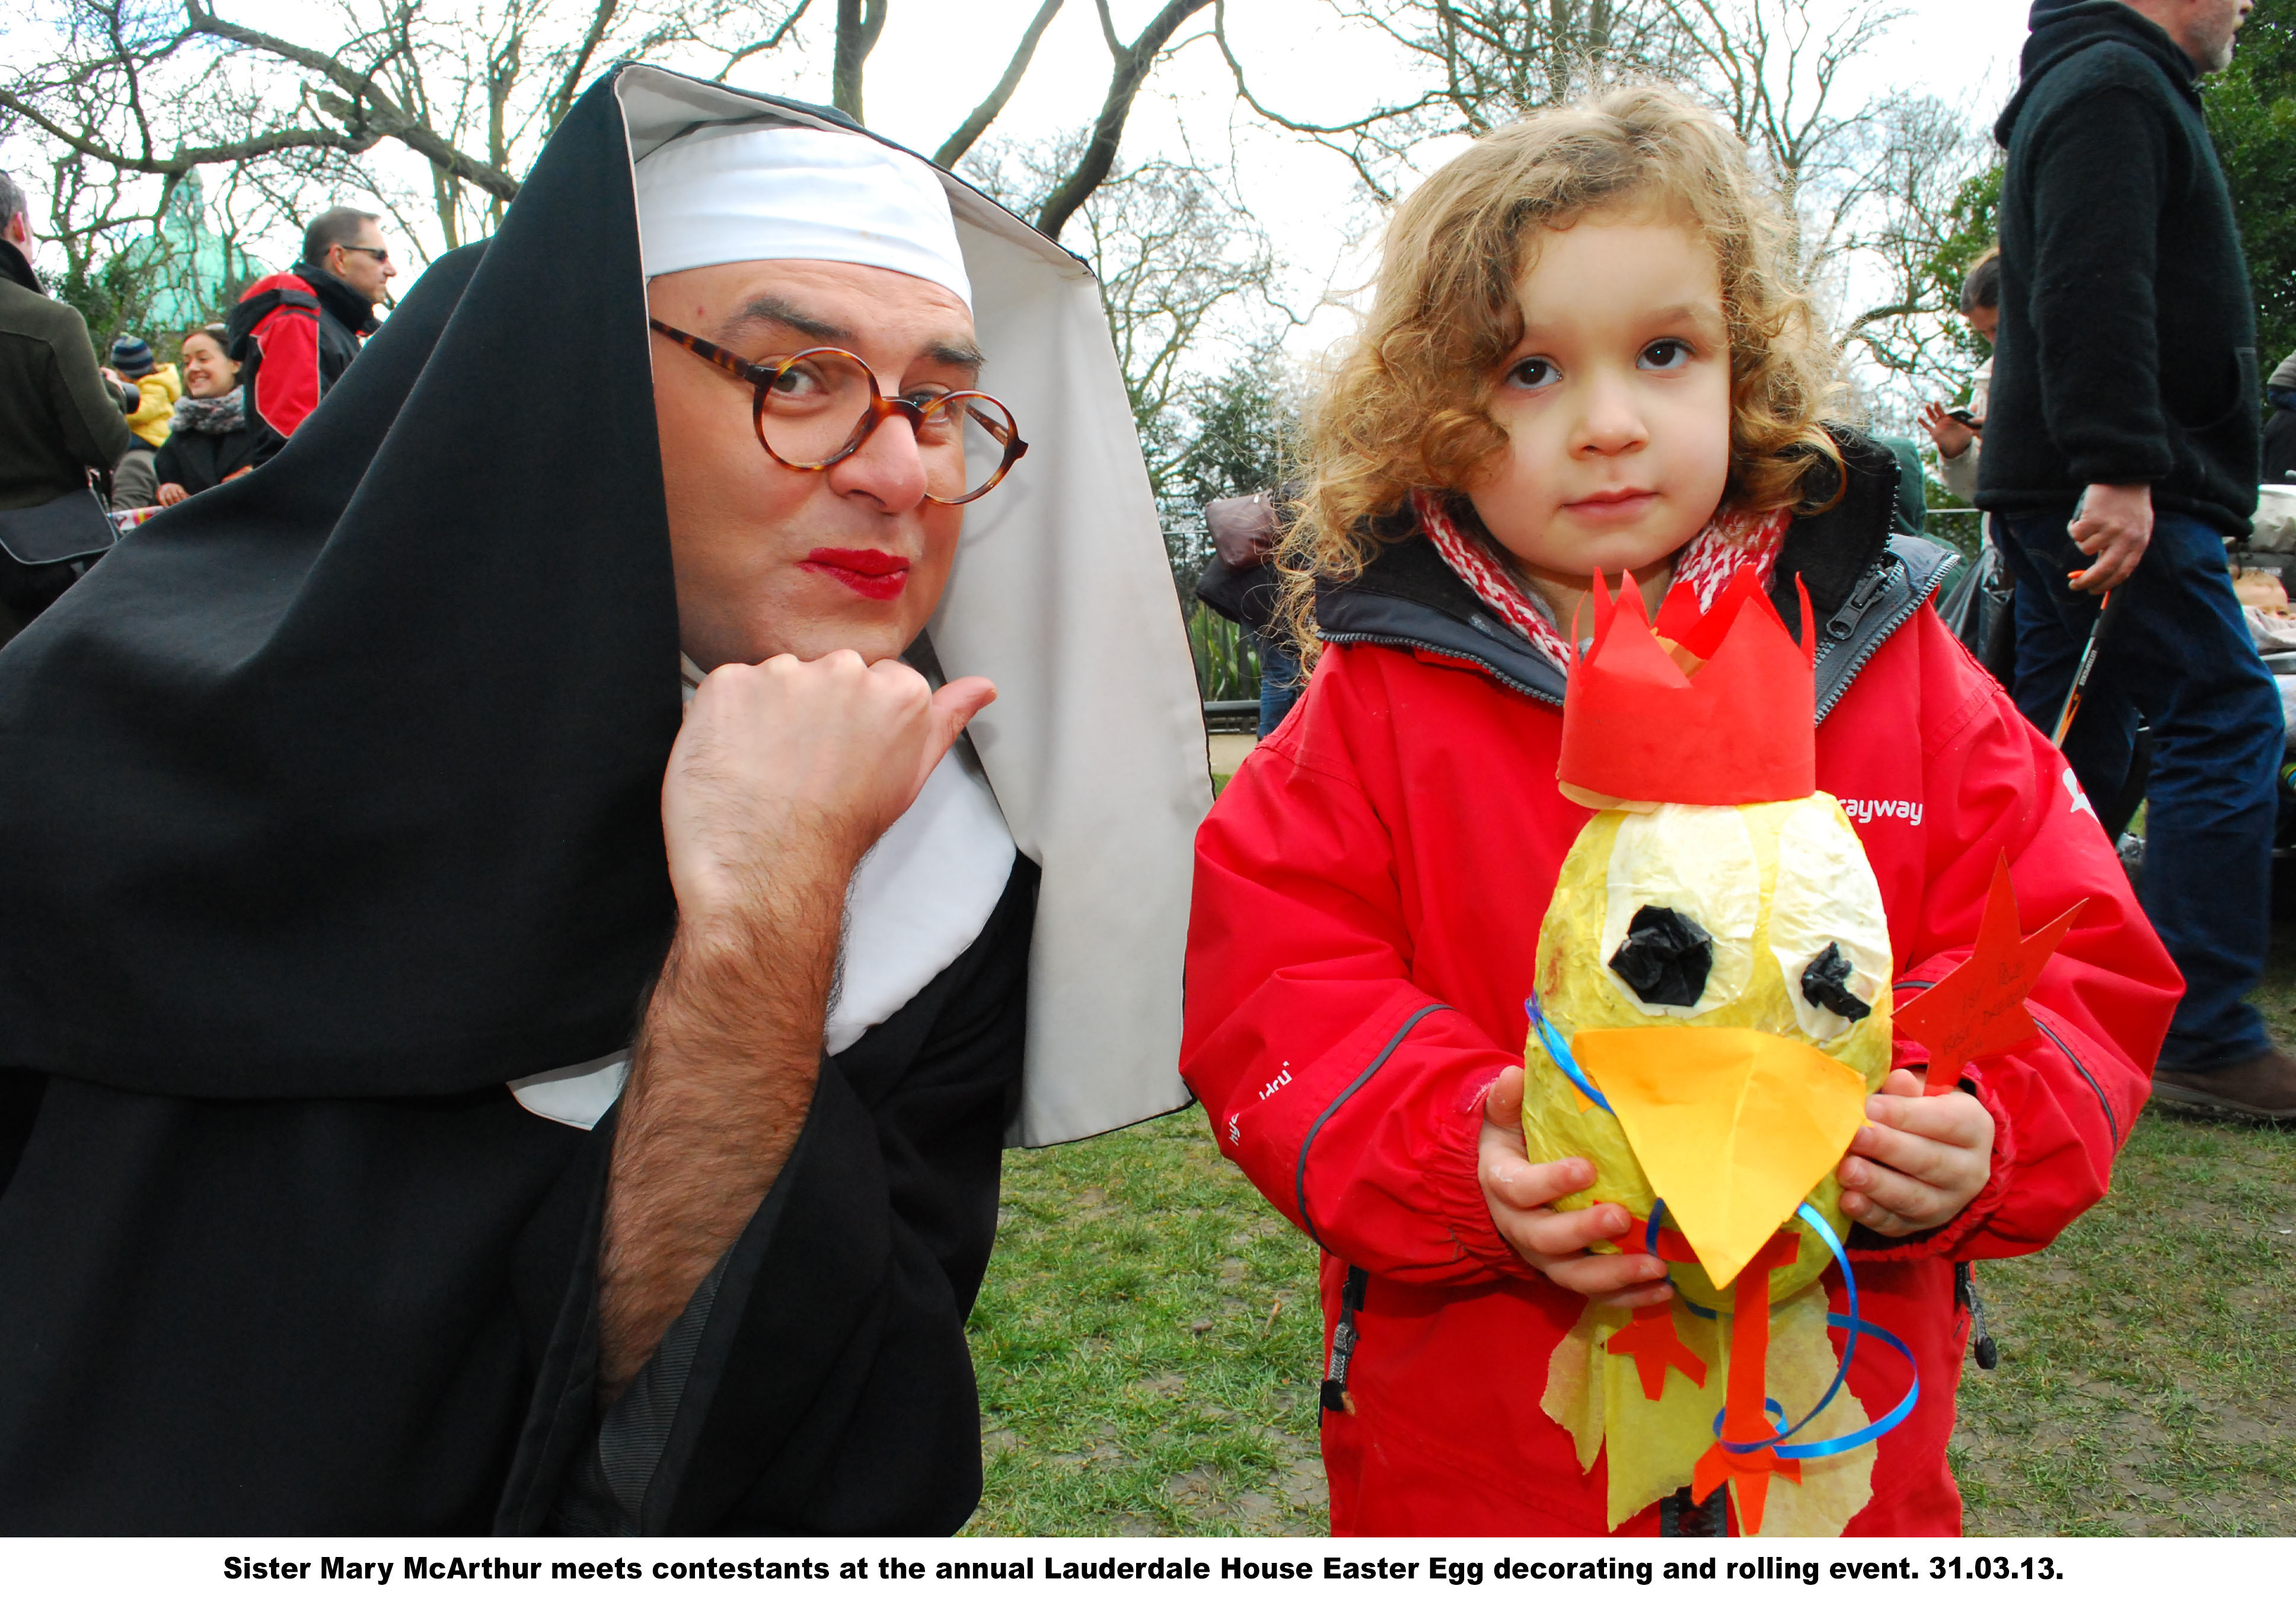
pixel 744 193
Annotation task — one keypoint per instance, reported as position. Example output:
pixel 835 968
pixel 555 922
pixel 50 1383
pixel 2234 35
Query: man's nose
pixel 889 468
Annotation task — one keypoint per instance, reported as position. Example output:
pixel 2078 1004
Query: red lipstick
pixel 879 576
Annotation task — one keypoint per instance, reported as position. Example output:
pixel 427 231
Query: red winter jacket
pixel 1368 896
pixel 293 335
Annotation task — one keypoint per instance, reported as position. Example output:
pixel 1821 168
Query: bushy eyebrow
pixel 775 309
pixel 967 357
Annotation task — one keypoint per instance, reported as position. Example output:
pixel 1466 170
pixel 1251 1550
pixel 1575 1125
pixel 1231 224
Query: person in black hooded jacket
pixel 2121 455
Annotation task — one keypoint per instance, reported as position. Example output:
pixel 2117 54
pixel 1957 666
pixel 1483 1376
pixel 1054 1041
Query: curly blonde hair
pixel 1405 406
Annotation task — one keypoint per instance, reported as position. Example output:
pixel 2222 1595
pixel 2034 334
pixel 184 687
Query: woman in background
pixel 210 440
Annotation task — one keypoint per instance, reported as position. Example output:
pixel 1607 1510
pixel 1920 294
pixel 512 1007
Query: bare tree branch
pixel 1108 28
pixel 735 58
pixel 183 159
pixel 952 149
pixel 562 99
pixel 1132 64
pixel 1319 133
pixel 368 107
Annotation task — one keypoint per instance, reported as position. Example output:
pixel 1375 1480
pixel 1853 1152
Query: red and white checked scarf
pixel 1728 544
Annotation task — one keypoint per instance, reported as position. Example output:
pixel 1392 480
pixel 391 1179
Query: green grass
pixel 1149 1345
pixel 2147 1383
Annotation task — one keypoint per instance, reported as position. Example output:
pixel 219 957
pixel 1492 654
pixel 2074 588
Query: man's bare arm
pixel 785 775
pixel 722 1077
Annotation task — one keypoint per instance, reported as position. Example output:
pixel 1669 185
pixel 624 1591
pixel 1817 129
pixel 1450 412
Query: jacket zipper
pixel 2112 1122
pixel 1986 1354
pixel 1922 593
pixel 1344 1335
pixel 1380 639
pixel 1335 1397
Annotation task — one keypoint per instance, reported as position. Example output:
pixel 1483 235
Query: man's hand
pixel 2113 526
pixel 783 775
pixel 1919 1159
pixel 1517 1192
pixel 1950 434
pixel 790 759
pixel 171 494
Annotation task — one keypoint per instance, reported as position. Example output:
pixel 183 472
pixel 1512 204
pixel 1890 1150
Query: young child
pixel 1588 354
pixel 134 480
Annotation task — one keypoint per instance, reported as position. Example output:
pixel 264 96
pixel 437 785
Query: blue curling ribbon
pixel 1856 1326
pixel 1561 1053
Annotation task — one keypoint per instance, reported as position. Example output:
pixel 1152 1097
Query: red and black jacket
pixel 293 334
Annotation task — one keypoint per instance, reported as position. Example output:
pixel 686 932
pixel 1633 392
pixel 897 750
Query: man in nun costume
pixel 453 1084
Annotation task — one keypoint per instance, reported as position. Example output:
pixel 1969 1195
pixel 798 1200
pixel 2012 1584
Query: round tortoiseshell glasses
pixel 815 409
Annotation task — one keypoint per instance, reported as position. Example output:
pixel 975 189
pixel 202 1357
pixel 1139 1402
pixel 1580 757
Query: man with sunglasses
pixel 294 333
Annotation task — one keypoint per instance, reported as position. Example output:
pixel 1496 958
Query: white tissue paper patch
pixel 1698 862
pixel 917 902
pixel 1827 894
pixel 576 1095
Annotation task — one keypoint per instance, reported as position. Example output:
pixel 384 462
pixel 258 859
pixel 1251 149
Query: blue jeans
pixel 2179 653
pixel 1279 681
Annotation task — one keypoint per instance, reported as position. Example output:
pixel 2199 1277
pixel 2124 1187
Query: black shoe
pixel 2262 1088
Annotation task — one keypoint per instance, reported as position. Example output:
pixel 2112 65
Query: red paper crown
pixel 1740 729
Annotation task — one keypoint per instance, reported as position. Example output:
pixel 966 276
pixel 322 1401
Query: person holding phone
pixel 1959 431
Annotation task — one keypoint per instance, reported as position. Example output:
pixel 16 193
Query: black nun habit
pixel 330 809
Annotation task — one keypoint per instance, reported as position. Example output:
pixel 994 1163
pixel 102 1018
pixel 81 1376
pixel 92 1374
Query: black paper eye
pixel 1666 958
pixel 1824 983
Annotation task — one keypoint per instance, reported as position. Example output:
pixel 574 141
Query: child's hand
pixel 1919 1159
pixel 1516 1192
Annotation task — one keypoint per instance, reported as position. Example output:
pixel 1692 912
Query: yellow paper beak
pixel 1731 1127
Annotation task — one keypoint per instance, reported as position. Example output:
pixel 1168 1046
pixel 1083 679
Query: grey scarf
pixel 212 415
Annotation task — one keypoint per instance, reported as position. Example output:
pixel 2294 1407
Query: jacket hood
pixel 2061 32
pixel 346 306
